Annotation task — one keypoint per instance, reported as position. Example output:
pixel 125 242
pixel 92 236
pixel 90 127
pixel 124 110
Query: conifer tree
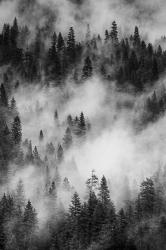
pixel 71 45
pixel 60 154
pixel 147 197
pixel 75 207
pixel 87 69
pixel 53 189
pixel 17 130
pixel 60 43
pixel 82 124
pixel 159 51
pixel 3 96
pixel 41 136
pixel 150 50
pixel 30 222
pixel 13 105
pixel 136 37
pixel 106 36
pixel 104 194
pixel 114 33
pixel 56 115
pixel 93 182
pixel 14 33
pixel 36 154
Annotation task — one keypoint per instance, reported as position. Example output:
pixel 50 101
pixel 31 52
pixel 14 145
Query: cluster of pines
pixel 128 60
pixel 10 129
pixel 94 223
pixel 13 149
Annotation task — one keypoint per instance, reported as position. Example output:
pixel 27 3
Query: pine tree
pixel 93 182
pixel 71 45
pixel 104 194
pixel 53 189
pixel 14 33
pixel 114 33
pixel 60 43
pixel 36 154
pixel 13 107
pixel 147 197
pixel 159 51
pixel 87 69
pixel 41 136
pixel 56 115
pixel 136 37
pixel 17 130
pixel 91 206
pixel 106 36
pixel 75 207
pixel 122 224
pixel 82 125
pixel 30 223
pixel 150 50
pixel 60 155
pixel 3 96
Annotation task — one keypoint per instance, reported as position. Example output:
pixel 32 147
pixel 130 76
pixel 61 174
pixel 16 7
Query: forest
pixel 82 138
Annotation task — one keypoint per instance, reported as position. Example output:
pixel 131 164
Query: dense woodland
pixel 93 222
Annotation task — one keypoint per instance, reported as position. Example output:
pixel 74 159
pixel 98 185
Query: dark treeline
pixel 128 60
pixel 92 224
pixel 95 224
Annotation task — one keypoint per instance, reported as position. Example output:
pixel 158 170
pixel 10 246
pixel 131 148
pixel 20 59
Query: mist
pixel 113 147
pixel 83 114
pixel 60 15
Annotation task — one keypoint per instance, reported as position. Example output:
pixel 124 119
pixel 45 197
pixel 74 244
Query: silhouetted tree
pixel 114 33
pixel 87 69
pixel 3 96
pixel 71 45
pixel 41 136
pixel 17 130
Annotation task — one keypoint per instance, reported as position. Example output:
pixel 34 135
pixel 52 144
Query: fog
pixel 113 147
pixel 61 14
